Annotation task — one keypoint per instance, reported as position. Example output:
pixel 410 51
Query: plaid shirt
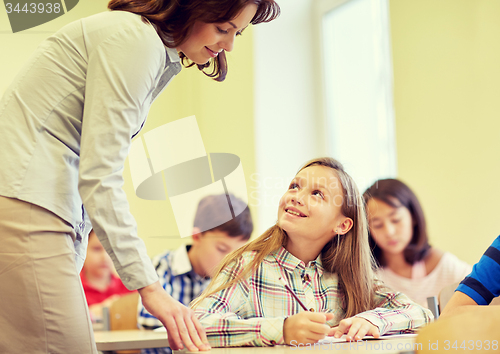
pixel 178 278
pixel 252 312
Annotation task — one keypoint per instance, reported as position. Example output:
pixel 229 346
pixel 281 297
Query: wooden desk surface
pixel 135 339
pixel 388 346
pixel 129 339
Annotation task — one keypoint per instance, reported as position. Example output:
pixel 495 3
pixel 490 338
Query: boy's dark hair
pixel 212 210
pixel 397 194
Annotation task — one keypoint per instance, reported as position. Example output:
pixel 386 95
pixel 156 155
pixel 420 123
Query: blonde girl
pixel 319 247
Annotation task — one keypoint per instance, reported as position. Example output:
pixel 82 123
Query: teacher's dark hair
pixel 174 21
pixel 397 194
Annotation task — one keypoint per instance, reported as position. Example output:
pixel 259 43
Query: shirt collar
pixel 180 261
pixel 289 262
pixel 172 55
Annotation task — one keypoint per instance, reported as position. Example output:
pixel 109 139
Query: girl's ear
pixel 196 234
pixel 344 226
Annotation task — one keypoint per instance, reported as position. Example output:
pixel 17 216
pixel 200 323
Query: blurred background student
pixel 100 283
pixel 186 272
pixel 400 245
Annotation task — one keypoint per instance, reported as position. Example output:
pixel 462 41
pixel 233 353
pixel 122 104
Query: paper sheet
pixel 390 336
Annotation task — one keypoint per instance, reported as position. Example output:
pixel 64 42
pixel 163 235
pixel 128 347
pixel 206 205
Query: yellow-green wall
pixel 224 112
pixel 447 98
pixel 446 57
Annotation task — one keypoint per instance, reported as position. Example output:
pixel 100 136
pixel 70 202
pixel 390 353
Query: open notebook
pixel 342 339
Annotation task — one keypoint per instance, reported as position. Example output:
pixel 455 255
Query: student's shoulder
pixel 164 257
pixel 450 264
pixel 496 243
pixel 247 257
pixel 433 257
pixel 237 264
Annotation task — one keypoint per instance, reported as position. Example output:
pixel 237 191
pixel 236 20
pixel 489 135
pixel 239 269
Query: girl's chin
pixel 199 61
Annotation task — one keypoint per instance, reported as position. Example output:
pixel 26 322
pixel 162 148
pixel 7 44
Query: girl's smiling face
pixel 311 208
pixel 207 40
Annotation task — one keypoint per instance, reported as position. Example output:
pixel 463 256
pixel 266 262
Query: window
pixel 357 87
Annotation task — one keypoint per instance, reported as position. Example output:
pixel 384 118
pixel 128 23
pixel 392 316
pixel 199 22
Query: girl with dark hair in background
pixel 399 242
pixel 66 124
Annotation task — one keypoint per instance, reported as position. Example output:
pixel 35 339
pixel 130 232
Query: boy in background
pixel 186 272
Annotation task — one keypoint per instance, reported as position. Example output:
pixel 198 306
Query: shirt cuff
pixel 138 275
pixel 271 331
pixel 374 319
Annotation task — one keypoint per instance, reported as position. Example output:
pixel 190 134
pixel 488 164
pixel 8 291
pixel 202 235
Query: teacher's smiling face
pixel 207 40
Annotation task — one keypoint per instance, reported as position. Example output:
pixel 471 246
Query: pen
pixel 293 294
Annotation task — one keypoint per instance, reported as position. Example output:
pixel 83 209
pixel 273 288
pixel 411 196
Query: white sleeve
pixel 122 72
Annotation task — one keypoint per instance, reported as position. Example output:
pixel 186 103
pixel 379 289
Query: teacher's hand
pixel 181 323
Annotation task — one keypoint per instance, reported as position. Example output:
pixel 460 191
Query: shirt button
pixel 307 278
pixel 273 342
pixel 311 309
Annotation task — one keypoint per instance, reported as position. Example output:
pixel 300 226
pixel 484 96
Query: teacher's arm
pixel 122 71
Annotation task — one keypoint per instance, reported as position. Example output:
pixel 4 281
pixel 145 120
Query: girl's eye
pixel 376 226
pixel 221 30
pixel 318 193
pixel 293 186
pixel 395 221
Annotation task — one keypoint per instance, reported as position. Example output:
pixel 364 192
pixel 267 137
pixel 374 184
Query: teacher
pixel 66 124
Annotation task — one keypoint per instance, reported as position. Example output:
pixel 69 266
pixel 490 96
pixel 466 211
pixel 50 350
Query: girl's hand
pixel 355 329
pixel 181 323
pixel 306 327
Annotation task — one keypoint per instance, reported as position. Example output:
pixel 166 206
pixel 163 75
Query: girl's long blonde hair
pixel 349 256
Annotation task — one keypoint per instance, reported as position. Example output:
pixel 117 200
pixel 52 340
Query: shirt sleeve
pixel 396 313
pixel 223 315
pixel 146 320
pixel 121 74
pixel 483 283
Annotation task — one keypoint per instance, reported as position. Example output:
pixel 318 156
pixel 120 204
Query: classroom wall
pixel 446 89
pixel 287 129
pixel 224 112
pixel 446 57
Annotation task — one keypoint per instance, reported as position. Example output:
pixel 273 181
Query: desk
pixel 129 339
pixel 473 331
pixel 134 339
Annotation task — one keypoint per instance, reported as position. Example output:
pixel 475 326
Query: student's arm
pixel 396 313
pixel 483 283
pixel 229 321
pixel 458 303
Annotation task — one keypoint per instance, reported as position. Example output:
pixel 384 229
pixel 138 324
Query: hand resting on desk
pixel 181 323
pixel 355 329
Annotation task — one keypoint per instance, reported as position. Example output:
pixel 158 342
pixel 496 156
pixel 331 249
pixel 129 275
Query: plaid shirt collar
pixel 289 262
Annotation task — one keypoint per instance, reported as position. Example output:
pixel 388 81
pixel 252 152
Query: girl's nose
pixel 227 44
pixel 389 229
pixel 297 198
